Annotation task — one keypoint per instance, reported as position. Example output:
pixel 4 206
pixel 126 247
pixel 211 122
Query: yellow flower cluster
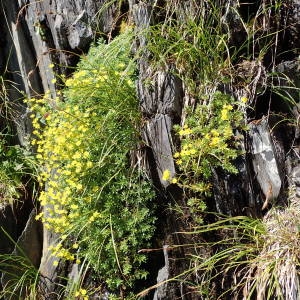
pixel 83 78
pixel 60 252
pixel 225 112
pixel 185 131
pixel 166 176
pixel 206 141
pixel 82 294
pixel 62 137
pixel 244 99
pixel 188 150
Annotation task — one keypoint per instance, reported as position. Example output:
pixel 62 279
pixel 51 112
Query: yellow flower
pixel 83 292
pixel 53 80
pixel 244 99
pixel 181 132
pixel 96 214
pixel 75 246
pixel 77 155
pixel 51 66
pixel 39 156
pixel 227 132
pixel 74 206
pixel 92 218
pixel 166 175
pixel 214 132
pixel 224 115
pixel 193 151
pixel 55 263
pixel 214 141
pixel 174 180
pixel 89 164
pixel 185 131
pixel 39 216
pixel 176 155
pixel 228 107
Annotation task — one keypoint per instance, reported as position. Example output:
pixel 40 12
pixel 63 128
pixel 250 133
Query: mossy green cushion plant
pixel 93 197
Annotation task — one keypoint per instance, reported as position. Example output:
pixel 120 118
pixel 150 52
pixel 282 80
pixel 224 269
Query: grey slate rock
pixel 157 134
pixel 264 160
pixel 80 32
pixel 161 94
pixel 163 274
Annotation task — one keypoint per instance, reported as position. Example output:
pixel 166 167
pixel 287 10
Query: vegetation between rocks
pixel 95 201
pixel 98 201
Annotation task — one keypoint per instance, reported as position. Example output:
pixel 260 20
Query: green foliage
pixel 242 239
pixel 207 142
pixel 22 277
pixel 261 257
pixel 199 48
pixel 93 195
pixel 16 169
pixel 207 138
pixel 196 46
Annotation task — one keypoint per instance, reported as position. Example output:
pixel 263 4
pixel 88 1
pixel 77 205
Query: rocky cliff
pixel 263 42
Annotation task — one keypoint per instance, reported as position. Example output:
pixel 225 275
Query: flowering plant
pixel 93 199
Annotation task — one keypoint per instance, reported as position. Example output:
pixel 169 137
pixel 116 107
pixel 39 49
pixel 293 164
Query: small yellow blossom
pixel 166 175
pixel 51 66
pixel 193 151
pixel 224 115
pixel 228 107
pixel 214 141
pixel 75 246
pixel 227 132
pixel 214 132
pixel 89 164
pixel 185 131
pixel 39 216
pixel 55 263
pixel 176 155
pixel 174 180
pixel 244 99
pixel 53 80
pixel 74 206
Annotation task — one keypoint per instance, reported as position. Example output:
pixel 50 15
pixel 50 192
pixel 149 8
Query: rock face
pixel 37 34
pixel 264 161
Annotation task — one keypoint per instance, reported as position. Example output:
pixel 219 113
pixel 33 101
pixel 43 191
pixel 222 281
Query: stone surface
pixel 157 134
pixel 163 275
pixel 80 33
pixel 35 34
pixel 160 93
pixel 264 160
pixel 38 33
